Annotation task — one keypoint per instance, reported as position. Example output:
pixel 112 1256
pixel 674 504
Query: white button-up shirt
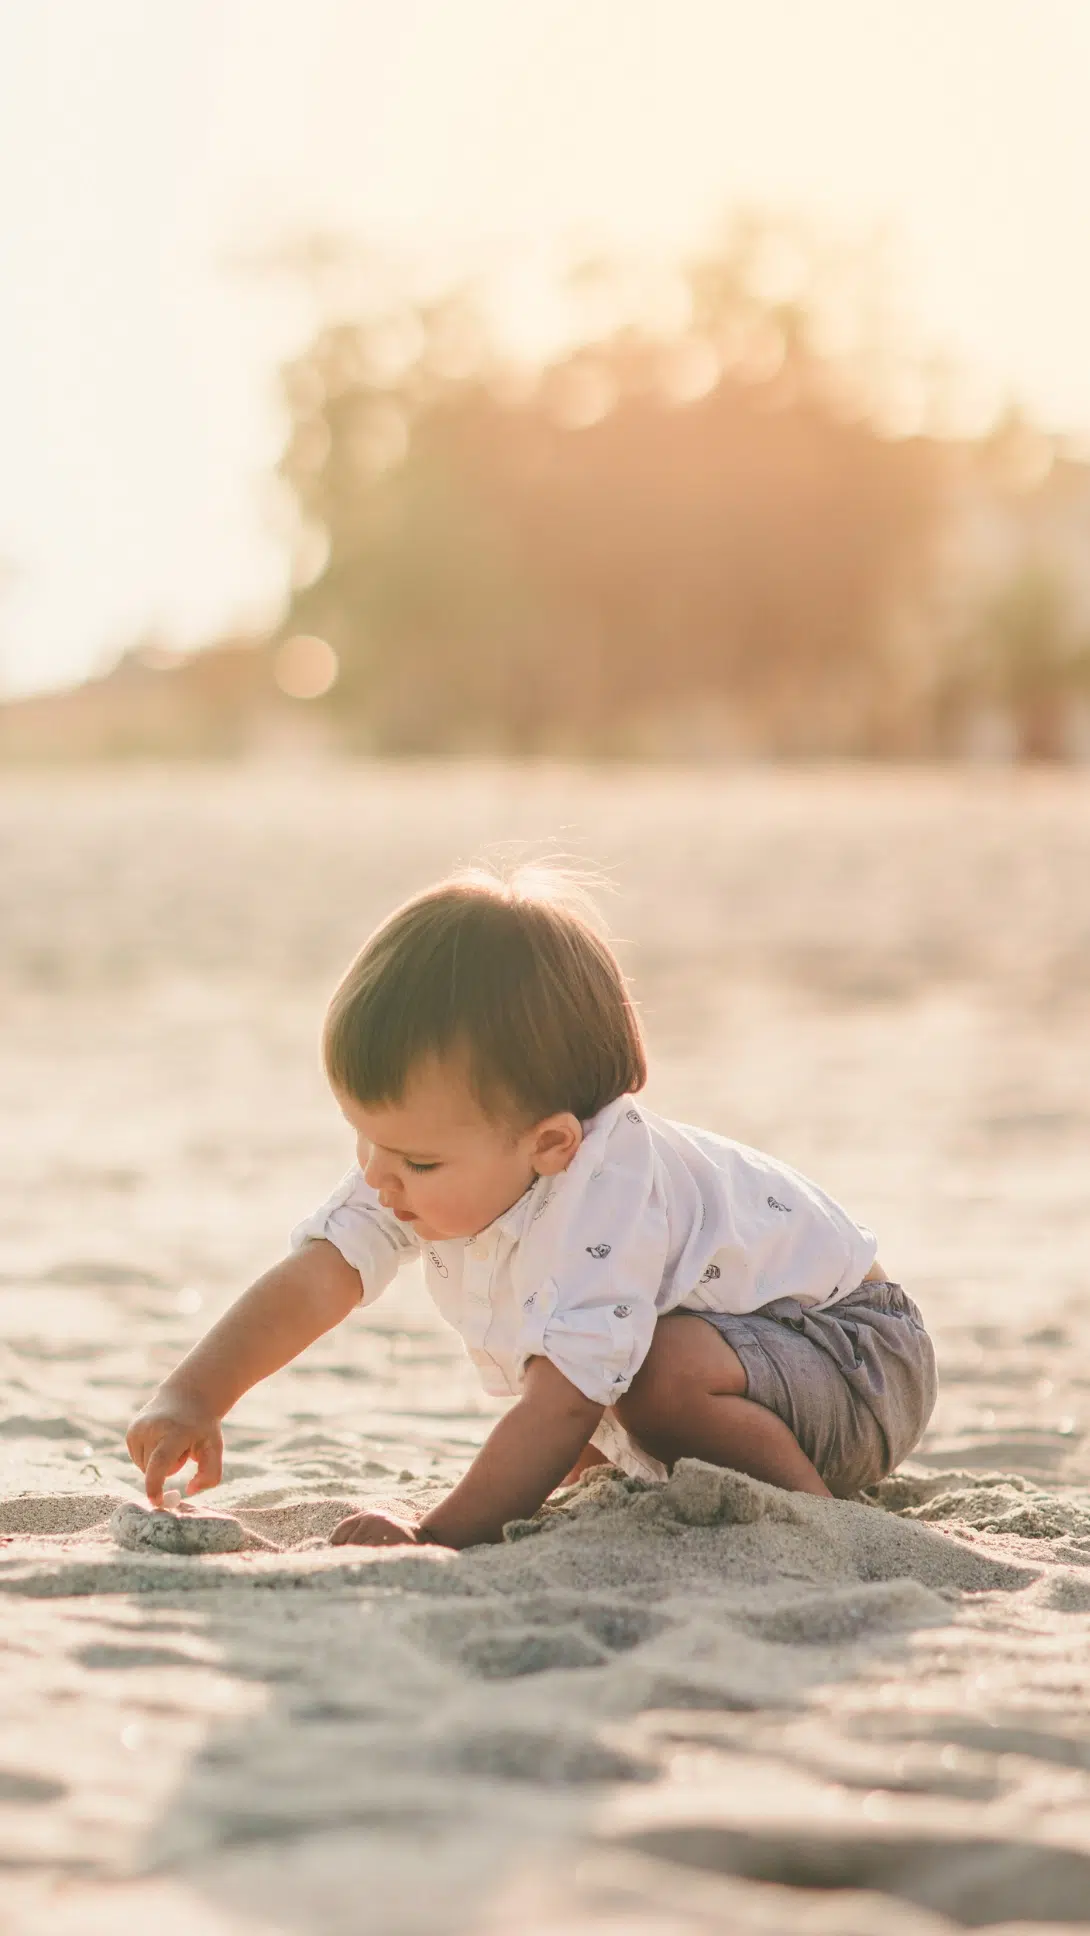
pixel 650 1216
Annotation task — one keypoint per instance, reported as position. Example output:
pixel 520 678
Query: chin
pixel 448 1233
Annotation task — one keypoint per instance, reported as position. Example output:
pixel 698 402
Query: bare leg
pixel 688 1401
pixel 588 1458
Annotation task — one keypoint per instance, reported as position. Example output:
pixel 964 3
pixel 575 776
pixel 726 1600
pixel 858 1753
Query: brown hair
pixel 508 971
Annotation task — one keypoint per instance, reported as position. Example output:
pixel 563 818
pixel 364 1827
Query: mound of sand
pixel 613 1671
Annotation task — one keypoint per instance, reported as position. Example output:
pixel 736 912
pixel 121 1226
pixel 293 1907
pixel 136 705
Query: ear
pixel 555 1141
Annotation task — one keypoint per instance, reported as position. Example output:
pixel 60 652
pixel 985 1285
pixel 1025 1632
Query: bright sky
pixel 141 144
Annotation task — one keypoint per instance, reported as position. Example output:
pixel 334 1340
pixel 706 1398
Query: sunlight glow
pixel 145 152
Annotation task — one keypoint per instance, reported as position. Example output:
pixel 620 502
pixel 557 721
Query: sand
pixel 658 1710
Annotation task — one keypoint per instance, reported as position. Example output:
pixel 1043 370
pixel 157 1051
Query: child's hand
pixel 374 1529
pixel 170 1430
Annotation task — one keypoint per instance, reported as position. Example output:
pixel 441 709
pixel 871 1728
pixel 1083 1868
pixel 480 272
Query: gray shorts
pixel 856 1380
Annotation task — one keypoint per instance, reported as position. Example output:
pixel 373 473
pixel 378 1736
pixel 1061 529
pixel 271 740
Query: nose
pixel 378 1173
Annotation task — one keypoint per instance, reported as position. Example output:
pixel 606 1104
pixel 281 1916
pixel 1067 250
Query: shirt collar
pixel 596 1129
pixel 509 1222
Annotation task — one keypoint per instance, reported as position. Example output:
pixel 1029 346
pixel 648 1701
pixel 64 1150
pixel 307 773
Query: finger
pixel 141 1441
pixel 375 1529
pixel 168 1455
pixel 209 1457
pixel 342 1533
pixel 363 1529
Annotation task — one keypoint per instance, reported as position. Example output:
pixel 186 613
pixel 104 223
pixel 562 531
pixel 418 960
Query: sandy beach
pixel 660 1712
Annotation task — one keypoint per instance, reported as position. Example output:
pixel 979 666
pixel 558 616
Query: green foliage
pixel 1026 654
pixel 1029 641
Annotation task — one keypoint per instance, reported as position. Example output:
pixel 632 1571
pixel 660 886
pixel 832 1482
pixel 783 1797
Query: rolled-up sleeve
pixel 594 1313
pixel 367 1236
pixel 599 1347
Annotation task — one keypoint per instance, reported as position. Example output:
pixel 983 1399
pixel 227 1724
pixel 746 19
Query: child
pixel 645 1291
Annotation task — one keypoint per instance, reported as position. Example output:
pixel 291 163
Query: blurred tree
pixel 1024 653
pixel 679 520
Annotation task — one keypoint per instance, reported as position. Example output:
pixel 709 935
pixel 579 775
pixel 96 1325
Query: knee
pixel 651 1400
pixel 673 1378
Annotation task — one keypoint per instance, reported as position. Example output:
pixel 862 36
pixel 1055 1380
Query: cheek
pixel 450 1194
pixel 430 1190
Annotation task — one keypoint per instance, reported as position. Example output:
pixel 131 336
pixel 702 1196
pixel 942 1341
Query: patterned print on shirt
pixel 775 1204
pixel 713 1271
pixel 622 1310
pixel 599 1250
pixel 438 1262
pixel 633 1115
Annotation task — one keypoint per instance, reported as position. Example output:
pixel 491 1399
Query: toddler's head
pixel 480 1027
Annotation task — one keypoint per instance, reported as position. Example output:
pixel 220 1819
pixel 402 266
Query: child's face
pixel 444 1167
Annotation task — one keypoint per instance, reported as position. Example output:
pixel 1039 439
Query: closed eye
pixel 419 1167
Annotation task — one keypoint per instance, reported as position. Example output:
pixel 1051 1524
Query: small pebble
pixel 171 1500
pixel 142 1529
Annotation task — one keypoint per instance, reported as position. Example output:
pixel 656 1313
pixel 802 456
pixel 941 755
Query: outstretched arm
pixel 526 1454
pixel 295 1302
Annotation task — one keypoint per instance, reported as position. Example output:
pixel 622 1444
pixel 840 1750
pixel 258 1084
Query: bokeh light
pixel 306 667
pixel 582 394
pixel 690 370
